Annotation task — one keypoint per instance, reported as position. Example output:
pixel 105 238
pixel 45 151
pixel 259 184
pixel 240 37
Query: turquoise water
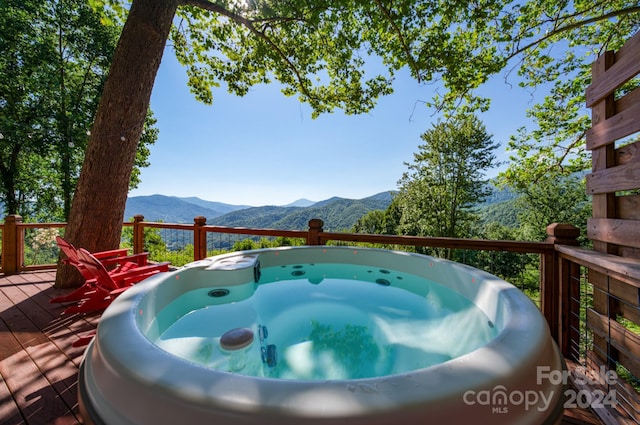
pixel 326 321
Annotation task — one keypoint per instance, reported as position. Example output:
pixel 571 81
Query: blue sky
pixel 265 149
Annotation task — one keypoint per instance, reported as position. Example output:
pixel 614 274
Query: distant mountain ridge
pixel 300 203
pixel 337 213
pixel 218 207
pixel 172 209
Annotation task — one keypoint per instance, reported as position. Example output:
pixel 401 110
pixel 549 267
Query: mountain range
pixel 337 213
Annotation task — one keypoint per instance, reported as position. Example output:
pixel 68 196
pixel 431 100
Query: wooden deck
pixel 38 365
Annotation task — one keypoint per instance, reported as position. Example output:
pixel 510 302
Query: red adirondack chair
pixel 107 286
pixel 115 261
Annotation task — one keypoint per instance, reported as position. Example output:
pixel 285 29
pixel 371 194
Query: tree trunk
pixel 8 178
pixel 97 211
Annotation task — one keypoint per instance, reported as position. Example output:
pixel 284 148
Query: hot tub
pixel 321 335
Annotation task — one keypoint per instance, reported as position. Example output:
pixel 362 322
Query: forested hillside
pixel 500 207
pixel 338 214
pixel 504 213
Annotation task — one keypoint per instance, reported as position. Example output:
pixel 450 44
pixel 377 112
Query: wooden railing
pixel 199 235
pixel 600 327
pixel 601 288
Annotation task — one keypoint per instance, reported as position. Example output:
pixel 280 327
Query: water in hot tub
pixel 327 321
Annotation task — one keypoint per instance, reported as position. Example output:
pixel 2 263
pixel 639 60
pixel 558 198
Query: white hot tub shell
pixel 126 379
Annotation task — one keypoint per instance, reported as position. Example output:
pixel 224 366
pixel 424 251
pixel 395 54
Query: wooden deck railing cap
pixel 562 234
pixel 316 223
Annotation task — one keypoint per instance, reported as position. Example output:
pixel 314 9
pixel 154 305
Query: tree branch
pixel 574 25
pixel 250 25
pixel 558 162
pixel 405 47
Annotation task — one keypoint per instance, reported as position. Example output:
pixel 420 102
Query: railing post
pixel 138 234
pixel 315 228
pixel 553 289
pixel 12 245
pixel 199 238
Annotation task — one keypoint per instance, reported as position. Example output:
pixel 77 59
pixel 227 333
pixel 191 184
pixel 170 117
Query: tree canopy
pixel 559 42
pixel 331 54
pixel 323 51
pixel 54 57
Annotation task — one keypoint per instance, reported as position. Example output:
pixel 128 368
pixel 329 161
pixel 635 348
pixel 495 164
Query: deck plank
pixel 9 410
pixel 33 394
pixel 579 417
pixel 39 366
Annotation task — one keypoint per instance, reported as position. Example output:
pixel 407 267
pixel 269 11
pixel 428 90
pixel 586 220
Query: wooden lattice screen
pixel 614 184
